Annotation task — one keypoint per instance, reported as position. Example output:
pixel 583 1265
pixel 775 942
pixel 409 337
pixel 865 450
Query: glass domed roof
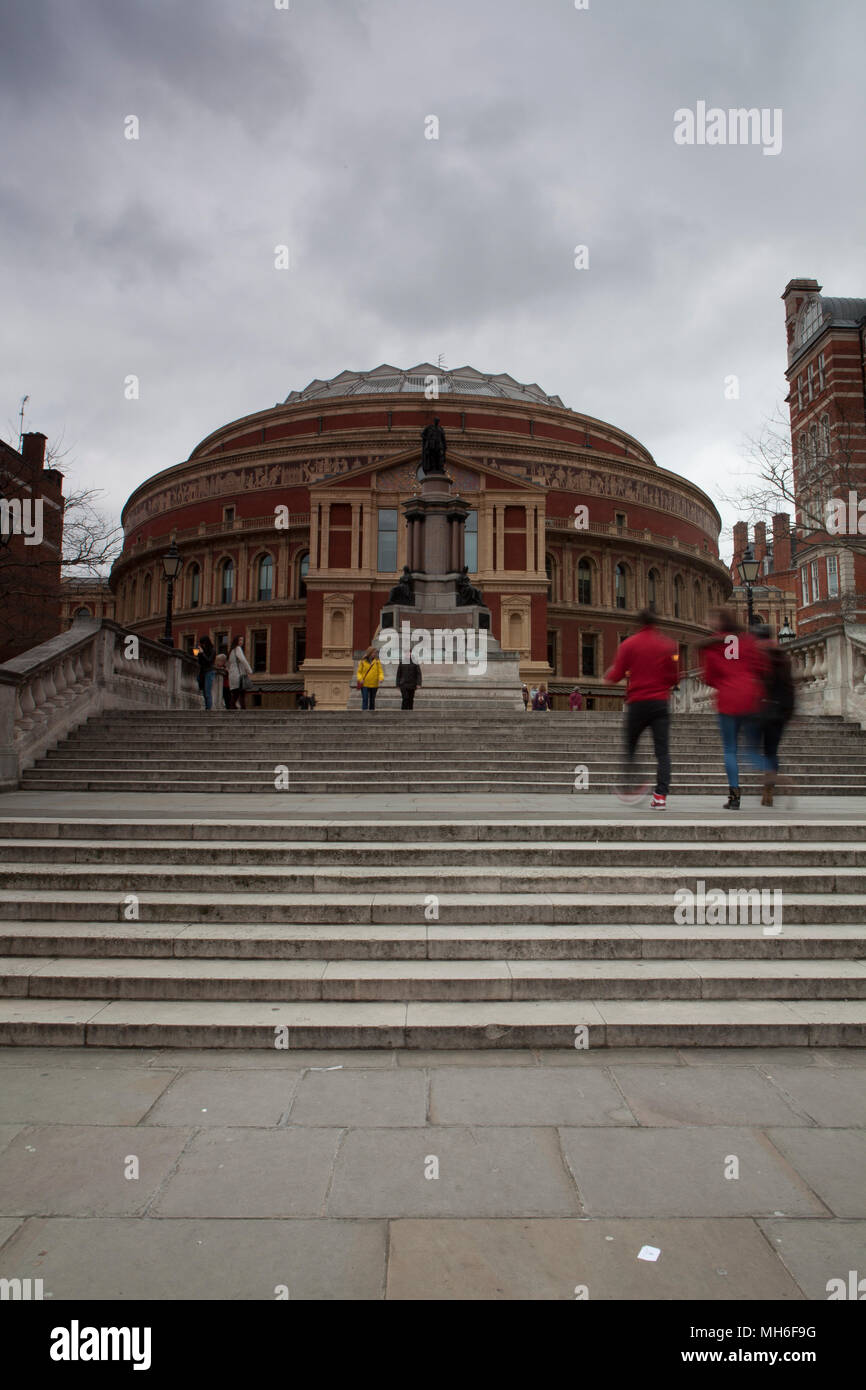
pixel 460 381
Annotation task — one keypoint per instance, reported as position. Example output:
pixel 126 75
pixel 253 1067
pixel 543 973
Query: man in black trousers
pixel 408 680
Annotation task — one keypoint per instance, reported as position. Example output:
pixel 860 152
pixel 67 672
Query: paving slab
pixel 703 1096
pixel 513 1260
pixel 833 1098
pixel 537 1096
pixel 832 1162
pixel 80 1057
pixel 353 1098
pixel 79 1170
pixel 251 1173
pixel 270 1059
pixel 7 1134
pixel 754 1056
pixel 606 1056
pixel 470 1057
pixel 841 1056
pixel 817 1251
pixel 8 1226
pixel 681 1172
pixel 482 1172
pixel 128 1258
pixel 210 1097
pixel 45 1094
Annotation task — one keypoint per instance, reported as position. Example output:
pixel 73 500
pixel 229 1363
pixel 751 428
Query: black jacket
pixel 408 674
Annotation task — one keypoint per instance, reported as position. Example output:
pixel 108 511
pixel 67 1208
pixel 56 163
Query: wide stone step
pixel 408 980
pixel 401 941
pixel 748 826
pixel 383 908
pixel 210 879
pixel 591 1023
pixel 464 785
pixel 419 854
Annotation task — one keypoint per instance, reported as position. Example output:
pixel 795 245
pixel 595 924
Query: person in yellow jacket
pixel 369 676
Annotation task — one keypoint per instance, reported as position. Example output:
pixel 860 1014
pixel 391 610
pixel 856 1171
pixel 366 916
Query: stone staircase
pixel 428 933
pixel 390 751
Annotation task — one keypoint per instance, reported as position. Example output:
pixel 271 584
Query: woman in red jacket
pixel 733 663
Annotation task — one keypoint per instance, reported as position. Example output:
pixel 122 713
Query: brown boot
pixel 767 798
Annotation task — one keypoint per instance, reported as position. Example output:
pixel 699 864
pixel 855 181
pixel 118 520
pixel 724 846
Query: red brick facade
pixel 282 520
pixel 30 547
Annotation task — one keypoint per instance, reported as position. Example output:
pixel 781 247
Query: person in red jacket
pixel 650 662
pixel 733 663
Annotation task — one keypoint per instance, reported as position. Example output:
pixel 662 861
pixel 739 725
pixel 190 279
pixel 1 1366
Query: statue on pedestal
pixel 467 593
pixel 403 592
pixel 433 448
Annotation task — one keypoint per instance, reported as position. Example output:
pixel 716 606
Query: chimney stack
pixel 781 543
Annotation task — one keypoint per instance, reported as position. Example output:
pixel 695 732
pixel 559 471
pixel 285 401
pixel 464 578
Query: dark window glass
pixel 587 657
pixel 387 556
pixel 470 553
pixel 227 582
pixel 260 651
pixel 266 578
pixel 584 582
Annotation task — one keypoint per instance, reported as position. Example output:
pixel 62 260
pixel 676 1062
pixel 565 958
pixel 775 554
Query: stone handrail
pixel 830 671
pixel 94 666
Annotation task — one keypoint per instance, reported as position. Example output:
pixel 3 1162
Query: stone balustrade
pixel 94 666
pixel 829 671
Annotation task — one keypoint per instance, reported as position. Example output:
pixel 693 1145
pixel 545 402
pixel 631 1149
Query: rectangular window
pixel 821 373
pixel 300 647
pixel 470 542
pixel 228 515
pixel 387 554
pixel 832 576
pixel 551 651
pixel 800 392
pixel 621 519
pixel 815 590
pixel 189 644
pixel 804 584
pixel 221 642
pixel 260 650
pixel 587 655
pixel 810 380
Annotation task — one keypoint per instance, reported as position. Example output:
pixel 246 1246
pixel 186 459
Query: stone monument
pixel 434 612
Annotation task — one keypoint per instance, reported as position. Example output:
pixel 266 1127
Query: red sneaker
pixel 658 803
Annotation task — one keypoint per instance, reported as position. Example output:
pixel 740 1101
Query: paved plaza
pixel 133 1174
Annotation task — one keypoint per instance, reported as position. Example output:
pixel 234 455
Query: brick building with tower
pixel 31 544
pixel 291 527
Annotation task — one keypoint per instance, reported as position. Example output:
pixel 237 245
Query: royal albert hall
pixel 290 525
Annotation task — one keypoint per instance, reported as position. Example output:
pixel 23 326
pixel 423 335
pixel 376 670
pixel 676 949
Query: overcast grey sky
pixel 306 126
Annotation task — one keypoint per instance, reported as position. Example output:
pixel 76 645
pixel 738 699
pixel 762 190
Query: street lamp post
pixel 171 567
pixel 786 632
pixel 748 572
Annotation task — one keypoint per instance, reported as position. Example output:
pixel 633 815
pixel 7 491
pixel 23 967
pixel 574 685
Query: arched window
pixel 265 585
pixel 679 601
pixel 146 596
pixel 303 571
pixel 584 582
pixel 194 586
pixel 227 581
pixel 653 587
pixel 82 613
pixel 620 585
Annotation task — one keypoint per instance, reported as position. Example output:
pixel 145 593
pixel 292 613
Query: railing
pixel 830 671
pixel 610 528
pixel 94 666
